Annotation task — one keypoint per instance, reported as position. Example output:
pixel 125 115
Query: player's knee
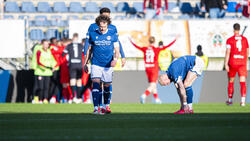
pixel 79 83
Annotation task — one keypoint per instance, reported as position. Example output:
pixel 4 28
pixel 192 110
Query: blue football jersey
pixel 179 68
pixel 103 47
pixel 94 27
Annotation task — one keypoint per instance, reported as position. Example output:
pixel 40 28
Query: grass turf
pixel 133 122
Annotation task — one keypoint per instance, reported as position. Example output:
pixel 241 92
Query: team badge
pixel 108 37
pixel 96 37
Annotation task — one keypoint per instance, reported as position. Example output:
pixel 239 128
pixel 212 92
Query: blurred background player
pixel 245 6
pixel 236 61
pixel 46 64
pixel 165 57
pixel 151 54
pixel 183 71
pixel 112 28
pixel 75 51
pixel 56 87
pixel 202 56
pixel 64 75
pixel 105 52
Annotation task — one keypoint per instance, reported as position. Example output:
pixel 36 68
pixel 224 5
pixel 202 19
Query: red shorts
pixel 241 69
pixel 152 75
pixel 64 72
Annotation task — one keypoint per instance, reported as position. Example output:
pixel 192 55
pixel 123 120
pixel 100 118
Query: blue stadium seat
pixel 28 7
pixel 41 21
pixel 184 17
pixel 122 7
pixel 231 5
pixel 108 5
pixel 60 7
pixel 72 17
pixel 50 33
pixel 88 17
pixel 198 7
pixel 57 21
pixel 186 7
pixel 118 17
pixel 11 7
pixel 75 7
pixel 43 7
pixel 23 16
pixel 230 17
pixel 171 6
pixel 36 34
pixel 9 17
pixel 138 6
pixel 91 7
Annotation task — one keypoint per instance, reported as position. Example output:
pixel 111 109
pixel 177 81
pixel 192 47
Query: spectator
pixel 154 9
pixel 202 55
pixel 165 57
pixel 245 6
pixel 216 8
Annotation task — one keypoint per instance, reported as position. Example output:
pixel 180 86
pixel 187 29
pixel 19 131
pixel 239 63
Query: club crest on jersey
pixel 108 37
pixel 96 37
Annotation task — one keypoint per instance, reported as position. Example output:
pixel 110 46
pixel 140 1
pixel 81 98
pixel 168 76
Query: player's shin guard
pixel 189 92
pixel 107 94
pixel 95 93
pixel 230 90
pixel 243 89
pixel 78 91
pixel 100 97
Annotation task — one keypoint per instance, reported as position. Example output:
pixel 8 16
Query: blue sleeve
pixel 121 50
pixel 86 45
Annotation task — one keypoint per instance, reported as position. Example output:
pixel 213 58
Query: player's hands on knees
pixel 186 108
pixel 86 69
pixel 113 63
pixel 123 62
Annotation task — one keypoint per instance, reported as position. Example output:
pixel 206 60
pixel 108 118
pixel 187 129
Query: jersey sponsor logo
pixel 103 43
pixel 108 37
pixel 149 65
pixel 238 57
pixel 75 61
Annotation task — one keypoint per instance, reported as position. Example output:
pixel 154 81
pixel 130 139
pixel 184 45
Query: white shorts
pixel 199 65
pixel 105 74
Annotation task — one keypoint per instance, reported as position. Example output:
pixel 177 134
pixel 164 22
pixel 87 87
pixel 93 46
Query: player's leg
pixel 72 75
pixel 40 88
pixel 79 85
pixel 65 92
pixel 190 78
pixel 107 79
pixel 154 78
pixel 96 74
pixel 35 88
pixel 231 75
pixel 149 88
pixel 46 89
pixel 243 75
pixel 86 89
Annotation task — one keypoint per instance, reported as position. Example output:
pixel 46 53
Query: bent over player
pixel 236 61
pixel 183 71
pixel 151 55
pixel 105 51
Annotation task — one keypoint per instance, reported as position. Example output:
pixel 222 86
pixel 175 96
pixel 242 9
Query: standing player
pixel 236 61
pixel 105 54
pixel 112 29
pixel 75 51
pixel 183 71
pixel 151 55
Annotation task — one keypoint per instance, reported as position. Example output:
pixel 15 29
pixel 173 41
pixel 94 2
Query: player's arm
pixel 228 50
pixel 122 54
pixel 169 45
pixel 65 51
pixel 87 57
pixel 38 56
pixel 138 47
pixel 182 94
pixel 86 45
pixel 116 54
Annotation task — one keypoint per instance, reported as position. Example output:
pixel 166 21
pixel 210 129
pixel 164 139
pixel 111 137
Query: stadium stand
pixel 28 7
pixel 108 5
pixel 8 17
pixel 122 7
pixel 138 6
pixel 41 20
pixel 50 33
pixel 72 17
pixel 186 7
pixel 88 17
pixel 231 7
pixel 36 34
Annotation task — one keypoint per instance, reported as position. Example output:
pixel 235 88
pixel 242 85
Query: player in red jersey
pixel 236 61
pixel 151 54
pixel 64 75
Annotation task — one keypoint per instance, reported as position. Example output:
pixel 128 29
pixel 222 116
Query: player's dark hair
pixel 199 51
pixel 160 43
pixel 236 26
pixel 102 18
pixel 83 40
pixel 104 10
pixel 151 39
pixel 53 40
pixel 75 35
pixel 43 40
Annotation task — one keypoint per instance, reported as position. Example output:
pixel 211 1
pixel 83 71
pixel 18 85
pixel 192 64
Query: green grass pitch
pixel 128 122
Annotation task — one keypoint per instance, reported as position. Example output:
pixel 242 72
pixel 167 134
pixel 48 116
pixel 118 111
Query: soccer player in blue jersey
pixel 105 52
pixel 112 28
pixel 183 71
